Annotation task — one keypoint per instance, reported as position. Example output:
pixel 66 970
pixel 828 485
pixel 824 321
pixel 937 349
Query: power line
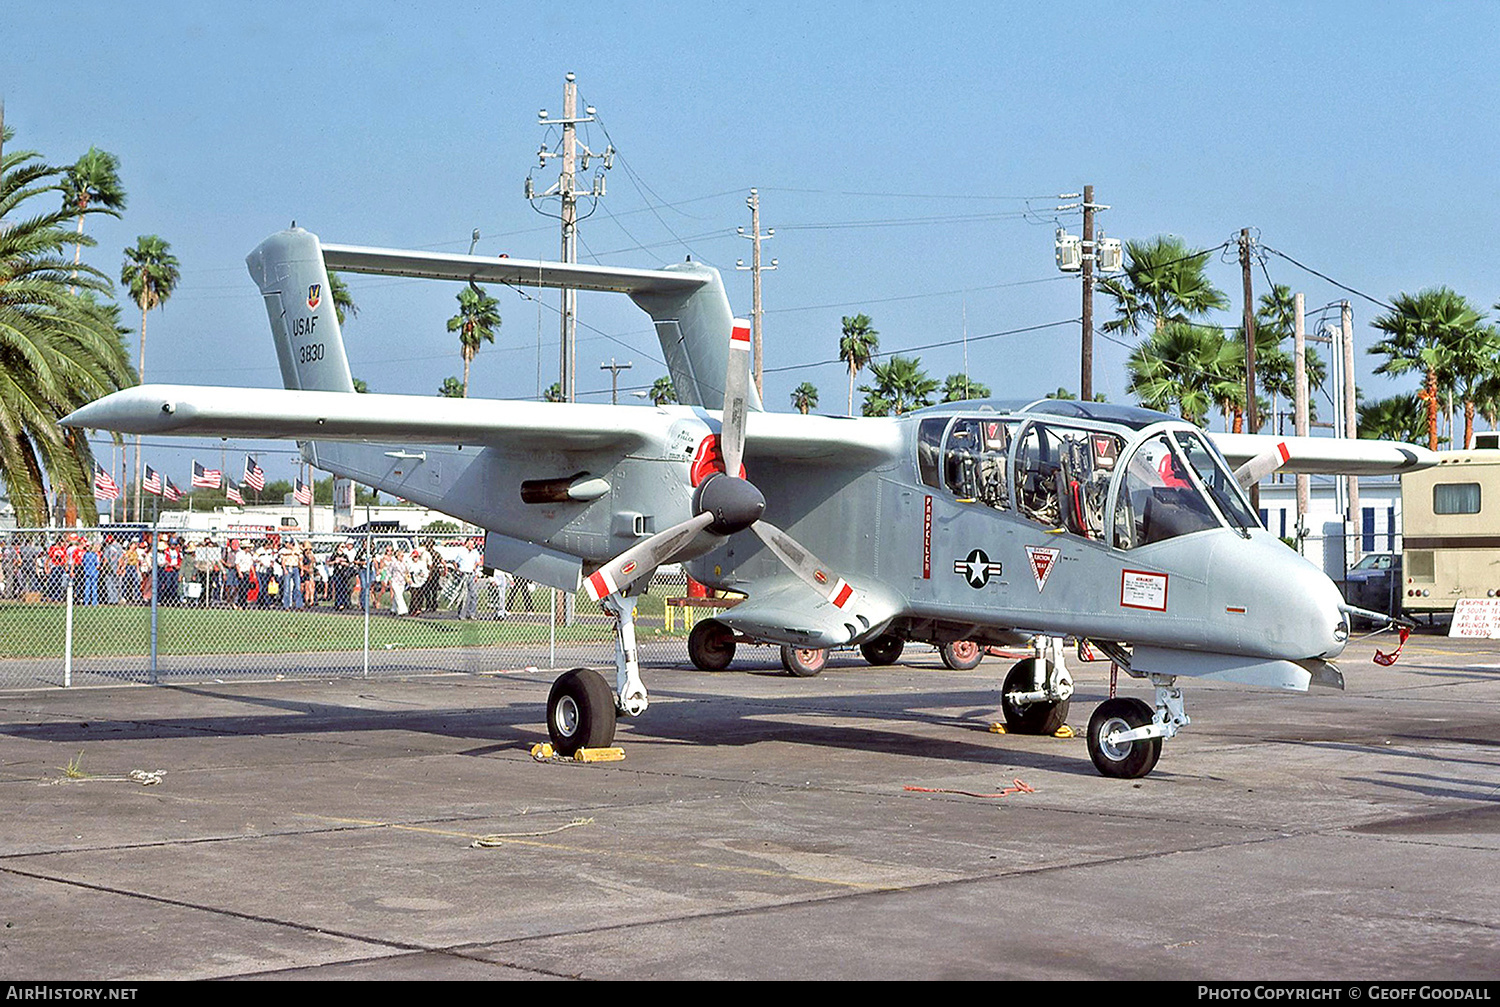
pixel 1323 276
pixel 932 346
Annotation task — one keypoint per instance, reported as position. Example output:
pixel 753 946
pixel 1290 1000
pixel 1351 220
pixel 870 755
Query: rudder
pixel 288 267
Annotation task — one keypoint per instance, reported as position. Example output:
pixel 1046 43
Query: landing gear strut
pixel 1035 695
pixel 581 709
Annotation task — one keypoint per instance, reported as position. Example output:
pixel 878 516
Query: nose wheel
pixel 1123 759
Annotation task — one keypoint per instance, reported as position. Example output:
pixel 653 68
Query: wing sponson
pixel 192 410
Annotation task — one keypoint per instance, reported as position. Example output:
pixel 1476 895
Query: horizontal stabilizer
pixel 1327 455
pixel 518 272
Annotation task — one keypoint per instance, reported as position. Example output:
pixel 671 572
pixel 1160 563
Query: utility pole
pixel 755 268
pixel 575 156
pixel 614 378
pixel 1351 426
pixel 1086 379
pixel 1252 424
pixel 1299 408
pixel 1093 252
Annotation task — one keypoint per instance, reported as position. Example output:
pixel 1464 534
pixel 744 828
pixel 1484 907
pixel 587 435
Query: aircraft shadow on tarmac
pixel 736 722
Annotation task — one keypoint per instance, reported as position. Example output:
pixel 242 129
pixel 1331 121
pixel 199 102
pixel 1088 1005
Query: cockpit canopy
pixel 1122 476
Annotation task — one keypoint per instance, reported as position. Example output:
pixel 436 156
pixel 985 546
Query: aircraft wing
pixel 1327 455
pixel 207 411
pixel 785 610
pixel 833 440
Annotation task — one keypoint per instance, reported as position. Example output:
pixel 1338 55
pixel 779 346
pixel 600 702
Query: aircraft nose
pixel 1314 613
pixel 1298 611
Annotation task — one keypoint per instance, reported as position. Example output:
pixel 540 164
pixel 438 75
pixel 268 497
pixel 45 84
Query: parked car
pixel 1374 583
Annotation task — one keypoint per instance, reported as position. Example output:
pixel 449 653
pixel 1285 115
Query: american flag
pixel 302 494
pixel 255 476
pixel 232 493
pixel 206 478
pixel 104 485
pixel 153 481
pixel 172 492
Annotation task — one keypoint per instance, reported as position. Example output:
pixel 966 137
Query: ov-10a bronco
pixel 964 522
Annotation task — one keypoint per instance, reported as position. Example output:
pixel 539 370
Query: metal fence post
pixel 365 598
pixel 68 634
pixel 552 632
pixel 155 541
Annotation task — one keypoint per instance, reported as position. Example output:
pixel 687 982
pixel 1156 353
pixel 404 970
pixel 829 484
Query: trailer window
pixel 1455 498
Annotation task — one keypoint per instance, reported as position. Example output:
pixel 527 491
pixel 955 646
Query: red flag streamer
pixel 1387 660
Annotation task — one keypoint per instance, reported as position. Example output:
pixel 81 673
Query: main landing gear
pixel 581 708
pixel 1034 697
pixel 1125 734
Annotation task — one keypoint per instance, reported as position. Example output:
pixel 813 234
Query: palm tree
pixel 477 319
pixel 1163 282
pixel 900 386
pixel 1470 357
pixel 1182 365
pixel 92 181
pixel 451 388
pixel 662 392
pixel 959 387
pixel 1398 418
pixel 150 273
pixel 343 301
pixel 553 392
pixel 857 347
pixel 1420 330
pixel 58 350
pixel 805 397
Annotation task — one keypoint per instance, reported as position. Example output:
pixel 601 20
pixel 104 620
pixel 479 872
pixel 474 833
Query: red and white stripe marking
pixel 841 593
pixel 600 584
pixel 739 335
pixel 1286 455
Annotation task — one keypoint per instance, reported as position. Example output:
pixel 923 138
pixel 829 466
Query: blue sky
pixel 908 155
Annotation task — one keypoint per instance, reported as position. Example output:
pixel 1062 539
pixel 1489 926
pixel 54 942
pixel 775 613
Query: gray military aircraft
pixel 964 522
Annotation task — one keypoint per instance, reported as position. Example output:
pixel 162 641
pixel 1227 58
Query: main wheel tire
pixel 883 650
pixel 580 711
pixel 711 645
pixel 962 655
pixel 804 662
pixel 1033 718
pixel 1133 759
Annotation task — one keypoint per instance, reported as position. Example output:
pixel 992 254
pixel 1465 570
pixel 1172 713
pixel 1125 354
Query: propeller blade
pixel 736 393
pixel 640 559
pixel 804 564
pixel 1262 465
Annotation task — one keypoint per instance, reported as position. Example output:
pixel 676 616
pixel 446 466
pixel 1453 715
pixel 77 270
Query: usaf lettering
pixel 304 326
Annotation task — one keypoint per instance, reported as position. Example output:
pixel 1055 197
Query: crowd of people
pixel 251 572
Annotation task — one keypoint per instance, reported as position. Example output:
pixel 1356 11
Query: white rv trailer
pixel 1451 531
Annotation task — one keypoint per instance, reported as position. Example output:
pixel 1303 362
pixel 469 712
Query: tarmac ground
pixel 758 827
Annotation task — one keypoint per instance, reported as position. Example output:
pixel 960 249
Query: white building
pixel 1328 542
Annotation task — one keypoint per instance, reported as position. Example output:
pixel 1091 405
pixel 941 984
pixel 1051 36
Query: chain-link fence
pixel 126 603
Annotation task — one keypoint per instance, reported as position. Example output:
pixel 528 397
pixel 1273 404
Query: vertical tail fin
pixel 288 268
